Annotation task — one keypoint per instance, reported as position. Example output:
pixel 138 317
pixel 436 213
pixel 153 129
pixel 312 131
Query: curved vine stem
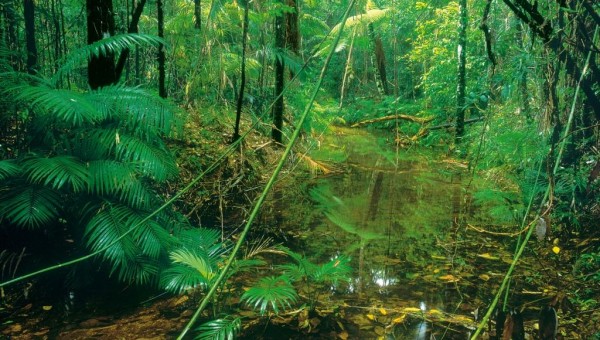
pixel 521 248
pixel 207 298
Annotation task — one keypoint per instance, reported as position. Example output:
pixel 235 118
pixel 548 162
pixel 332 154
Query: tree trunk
pixel 378 61
pixel 240 99
pixel 279 79
pixel 461 79
pixel 162 90
pixel 133 28
pixel 100 24
pixel 198 14
pixel 32 54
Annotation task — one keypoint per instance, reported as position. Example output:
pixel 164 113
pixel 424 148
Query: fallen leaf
pixel 484 277
pixel 46 308
pixel 556 250
pixel 449 278
pixel 382 311
pixel 343 335
pixel 399 319
pixel 371 317
pixel 487 256
pixel 412 310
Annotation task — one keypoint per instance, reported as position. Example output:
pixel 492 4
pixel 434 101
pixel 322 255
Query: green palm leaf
pixel 105 228
pixel 190 269
pixel 114 44
pixel 118 180
pixel 68 106
pixel 274 293
pixel 139 108
pixel 57 172
pixel 225 328
pixel 152 161
pixel 335 270
pixel 8 169
pixel 30 206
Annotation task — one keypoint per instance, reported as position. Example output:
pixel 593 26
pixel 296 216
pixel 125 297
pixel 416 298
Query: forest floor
pixel 544 275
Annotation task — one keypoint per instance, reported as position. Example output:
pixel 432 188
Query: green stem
pixel 270 183
pixel 506 279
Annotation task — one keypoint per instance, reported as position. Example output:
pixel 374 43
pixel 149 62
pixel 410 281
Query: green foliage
pixel 225 328
pixel 91 161
pixel 271 294
pixel 194 262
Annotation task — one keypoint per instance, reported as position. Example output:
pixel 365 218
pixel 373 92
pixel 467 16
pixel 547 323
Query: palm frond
pixel 271 293
pixel 105 228
pixel 118 180
pixel 152 161
pixel 114 44
pixel 30 206
pixel 9 168
pixel 225 328
pixel 190 269
pixel 57 172
pixel 199 237
pixel 333 271
pixel 149 235
pixel 71 107
pixel 139 108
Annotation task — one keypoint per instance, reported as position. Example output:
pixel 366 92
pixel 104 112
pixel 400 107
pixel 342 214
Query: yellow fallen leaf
pixel 382 311
pixel 399 319
pixel 484 277
pixel 412 310
pixel 556 249
pixel 487 256
pixel 433 312
pixel 449 278
pixel 371 317
pixel 46 308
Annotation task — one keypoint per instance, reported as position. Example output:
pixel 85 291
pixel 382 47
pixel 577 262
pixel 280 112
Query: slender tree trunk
pixel 12 43
pixel 278 108
pixel 524 93
pixel 32 53
pixel 133 28
pixel 162 90
pixel 461 79
pixel 240 99
pixel 100 24
pixel 198 14
pixel 378 61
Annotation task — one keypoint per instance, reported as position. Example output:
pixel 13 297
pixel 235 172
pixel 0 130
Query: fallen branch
pixel 450 125
pixel 392 117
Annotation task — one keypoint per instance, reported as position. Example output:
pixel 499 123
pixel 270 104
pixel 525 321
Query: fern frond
pixel 271 293
pixel 115 44
pixel 30 206
pixel 9 168
pixel 57 172
pixel 226 328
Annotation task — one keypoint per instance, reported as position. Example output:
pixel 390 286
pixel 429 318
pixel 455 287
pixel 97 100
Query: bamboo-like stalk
pixel 207 298
pixel 520 250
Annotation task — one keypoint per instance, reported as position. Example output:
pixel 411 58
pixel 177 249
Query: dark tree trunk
pixel 162 90
pixel 240 99
pixel 12 43
pixel 32 53
pixel 100 24
pixel 279 79
pixel 461 79
pixel 133 28
pixel 198 14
